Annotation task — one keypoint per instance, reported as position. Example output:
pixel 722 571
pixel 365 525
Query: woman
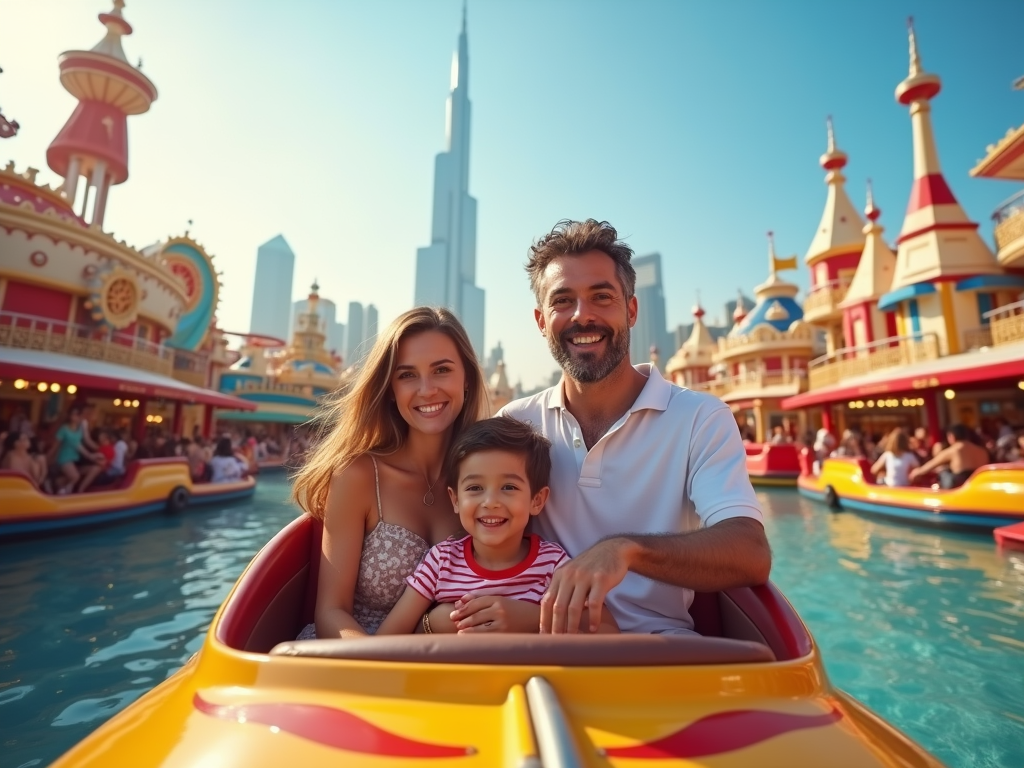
pixel 374 476
pixel 69 450
pixel 18 457
pixel 225 466
pixel 897 460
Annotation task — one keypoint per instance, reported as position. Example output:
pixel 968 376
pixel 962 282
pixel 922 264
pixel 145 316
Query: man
pixel 649 488
pixel 962 457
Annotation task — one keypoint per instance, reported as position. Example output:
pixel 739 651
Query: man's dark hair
pixel 574 238
pixel 503 433
pixel 962 433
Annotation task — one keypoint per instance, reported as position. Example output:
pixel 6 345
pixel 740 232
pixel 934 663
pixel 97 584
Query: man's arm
pixel 732 553
pixel 942 457
pixel 729 550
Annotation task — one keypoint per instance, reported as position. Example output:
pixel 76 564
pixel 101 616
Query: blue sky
pixel 694 127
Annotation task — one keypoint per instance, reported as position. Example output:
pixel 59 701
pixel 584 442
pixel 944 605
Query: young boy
pixel 498 479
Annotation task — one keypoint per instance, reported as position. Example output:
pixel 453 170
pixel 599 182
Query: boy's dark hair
pixel 503 433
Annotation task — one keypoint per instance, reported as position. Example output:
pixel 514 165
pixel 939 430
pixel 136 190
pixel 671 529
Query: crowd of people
pixel 901 458
pixel 75 455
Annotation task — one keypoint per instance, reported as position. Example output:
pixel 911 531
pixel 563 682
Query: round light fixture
pixel 42 386
pixel 949 394
pixel 72 389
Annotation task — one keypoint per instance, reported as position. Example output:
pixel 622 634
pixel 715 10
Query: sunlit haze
pixel 692 127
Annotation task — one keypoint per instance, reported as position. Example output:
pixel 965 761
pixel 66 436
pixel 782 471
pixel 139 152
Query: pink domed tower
pixel 94 141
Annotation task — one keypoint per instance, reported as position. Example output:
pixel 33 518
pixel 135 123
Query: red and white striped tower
pixel 94 141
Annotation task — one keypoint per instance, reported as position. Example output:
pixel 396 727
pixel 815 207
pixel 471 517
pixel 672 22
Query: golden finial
pixel 915 58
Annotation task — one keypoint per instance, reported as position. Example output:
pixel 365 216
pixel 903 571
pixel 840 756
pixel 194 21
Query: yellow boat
pixel 148 485
pixel 751 691
pixel 991 497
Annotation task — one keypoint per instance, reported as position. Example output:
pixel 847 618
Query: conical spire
pixel 932 205
pixel 117 27
pixel 877 263
pixel 839 231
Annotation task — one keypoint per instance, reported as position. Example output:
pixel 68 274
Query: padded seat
pixel 536 650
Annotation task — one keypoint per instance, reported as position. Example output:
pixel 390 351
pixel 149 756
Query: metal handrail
pixel 1006 309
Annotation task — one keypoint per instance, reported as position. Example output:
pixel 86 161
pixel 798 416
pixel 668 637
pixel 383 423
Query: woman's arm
pixel 349 501
pixel 406 615
pixel 878 466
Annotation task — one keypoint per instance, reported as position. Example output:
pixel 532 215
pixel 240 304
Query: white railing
pixel 1006 323
pixel 752 381
pixel 21 331
pixel 884 353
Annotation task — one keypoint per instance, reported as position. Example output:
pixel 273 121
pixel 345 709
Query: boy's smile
pixel 494 502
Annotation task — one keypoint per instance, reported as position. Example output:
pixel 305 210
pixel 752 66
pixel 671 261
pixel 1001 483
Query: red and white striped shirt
pixel 449 571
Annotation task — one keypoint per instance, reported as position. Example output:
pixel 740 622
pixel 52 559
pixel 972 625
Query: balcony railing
pixel 1006 323
pixel 885 353
pixel 1009 227
pixel 191 368
pixel 823 301
pixel 752 381
pixel 30 332
pixel 976 338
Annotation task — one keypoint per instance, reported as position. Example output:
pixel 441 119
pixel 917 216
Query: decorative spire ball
pixel 314 289
pixel 698 310
pixel 833 159
pixel 919 85
pixel 870 210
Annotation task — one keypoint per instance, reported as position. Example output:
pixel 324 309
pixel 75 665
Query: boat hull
pixel 755 693
pixel 149 486
pixel 773 465
pixel 992 497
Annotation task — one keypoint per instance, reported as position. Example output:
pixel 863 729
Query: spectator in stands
pixel 896 461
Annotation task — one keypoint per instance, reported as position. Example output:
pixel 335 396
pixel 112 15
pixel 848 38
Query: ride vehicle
pixel 148 485
pixel 991 497
pixel 773 465
pixel 751 691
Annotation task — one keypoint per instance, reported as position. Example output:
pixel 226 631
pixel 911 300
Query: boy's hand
pixel 481 613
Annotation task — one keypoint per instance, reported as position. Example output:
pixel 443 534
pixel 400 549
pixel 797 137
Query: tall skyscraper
pixel 272 291
pixel 446 269
pixel 369 326
pixel 354 348
pixel 651 329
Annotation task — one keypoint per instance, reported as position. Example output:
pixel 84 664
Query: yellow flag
pixel 780 264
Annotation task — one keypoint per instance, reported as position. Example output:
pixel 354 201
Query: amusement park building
pixel 83 316
pixel 930 335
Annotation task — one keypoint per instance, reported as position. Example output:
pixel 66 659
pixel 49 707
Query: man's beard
pixel 587 367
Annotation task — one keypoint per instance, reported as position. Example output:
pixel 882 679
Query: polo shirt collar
pixel 654 396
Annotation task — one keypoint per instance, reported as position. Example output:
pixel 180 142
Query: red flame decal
pixel 330 727
pixel 724 732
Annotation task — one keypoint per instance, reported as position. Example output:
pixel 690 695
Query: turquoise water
pixel 925 628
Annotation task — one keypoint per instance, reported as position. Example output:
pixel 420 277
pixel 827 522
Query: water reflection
pixel 913 622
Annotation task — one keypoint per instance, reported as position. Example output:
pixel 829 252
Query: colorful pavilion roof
pixel 840 230
pixel 877 262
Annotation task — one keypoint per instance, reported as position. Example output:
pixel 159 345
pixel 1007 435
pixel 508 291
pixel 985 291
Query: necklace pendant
pixel 428 498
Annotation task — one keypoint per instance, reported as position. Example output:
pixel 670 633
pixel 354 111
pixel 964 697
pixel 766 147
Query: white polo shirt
pixel 673 463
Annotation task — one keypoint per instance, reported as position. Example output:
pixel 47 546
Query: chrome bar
pixel 554 734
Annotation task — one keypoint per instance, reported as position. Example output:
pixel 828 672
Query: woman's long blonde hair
pixel 897 443
pixel 361 419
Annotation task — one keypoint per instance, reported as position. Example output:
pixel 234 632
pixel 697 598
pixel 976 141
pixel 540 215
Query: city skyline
pixel 692 147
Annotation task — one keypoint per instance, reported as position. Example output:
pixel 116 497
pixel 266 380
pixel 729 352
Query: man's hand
pixel 584 582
